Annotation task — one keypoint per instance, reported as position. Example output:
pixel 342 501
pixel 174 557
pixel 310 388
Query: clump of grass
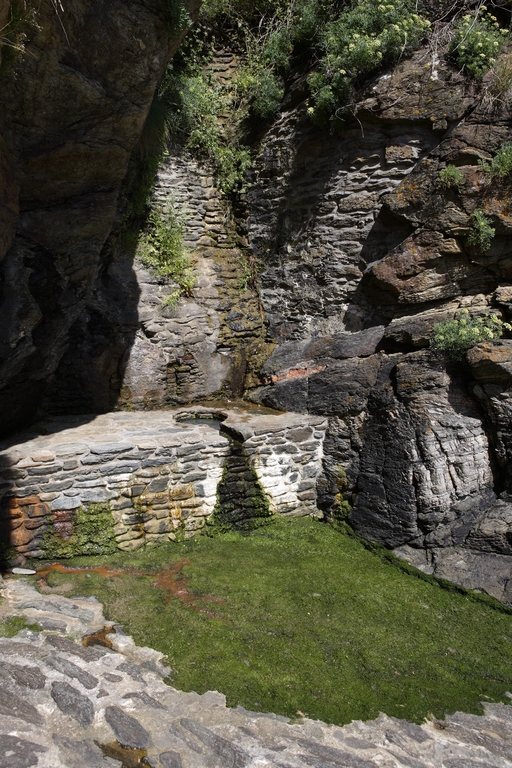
pixel 499 89
pixel 500 166
pixel 482 233
pixel 13 625
pixel 452 177
pixel 21 20
pixel 309 620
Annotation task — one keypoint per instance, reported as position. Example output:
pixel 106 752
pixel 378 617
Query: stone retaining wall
pixel 156 475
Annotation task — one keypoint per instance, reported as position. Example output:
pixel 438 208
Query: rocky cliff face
pixel 360 250
pixel 72 109
pixel 364 252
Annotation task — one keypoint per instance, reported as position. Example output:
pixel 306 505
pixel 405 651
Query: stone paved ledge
pixel 60 702
pixel 153 473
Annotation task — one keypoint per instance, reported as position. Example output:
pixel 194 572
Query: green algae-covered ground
pixel 308 621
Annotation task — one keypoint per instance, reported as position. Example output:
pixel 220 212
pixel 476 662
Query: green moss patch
pixel 93 534
pixel 310 620
pixel 13 625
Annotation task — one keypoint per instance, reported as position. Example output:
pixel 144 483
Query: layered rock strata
pixel 363 252
pixel 150 476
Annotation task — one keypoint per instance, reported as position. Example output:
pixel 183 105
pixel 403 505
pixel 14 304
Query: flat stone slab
pixel 64 724
pixel 155 471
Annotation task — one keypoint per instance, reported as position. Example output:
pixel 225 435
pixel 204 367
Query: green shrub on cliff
pixel 363 38
pixel 464 331
pixel 451 177
pixel 481 234
pixel 501 165
pixel 477 41
pixel 161 249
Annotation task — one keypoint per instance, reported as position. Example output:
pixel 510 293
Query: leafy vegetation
pixel 308 619
pixel 22 19
pixel 477 41
pixel 481 234
pixel 452 177
pixel 365 37
pixel 500 166
pixel 196 121
pixel 161 249
pixel 464 331
pixel 93 534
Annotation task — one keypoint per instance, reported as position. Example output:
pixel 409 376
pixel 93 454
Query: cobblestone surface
pixel 53 720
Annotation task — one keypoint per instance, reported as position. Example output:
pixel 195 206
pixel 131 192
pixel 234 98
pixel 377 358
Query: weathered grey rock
pixel 12 705
pixel 77 754
pixel 72 670
pixel 68 646
pixel 144 697
pixel 72 702
pixel 231 755
pixel 331 755
pixel 170 760
pixel 127 730
pixel 18 753
pixel 27 676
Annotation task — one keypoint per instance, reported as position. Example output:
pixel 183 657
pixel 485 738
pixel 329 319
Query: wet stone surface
pixel 132 718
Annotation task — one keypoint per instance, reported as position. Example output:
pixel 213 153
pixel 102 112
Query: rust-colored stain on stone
pixel 21 520
pixel 170 580
pixel 296 373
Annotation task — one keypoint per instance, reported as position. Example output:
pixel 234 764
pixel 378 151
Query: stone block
pixel 111 448
pixel 158 526
pixel 66 502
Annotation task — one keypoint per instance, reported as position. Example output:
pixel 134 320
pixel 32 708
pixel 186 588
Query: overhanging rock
pixel 148 475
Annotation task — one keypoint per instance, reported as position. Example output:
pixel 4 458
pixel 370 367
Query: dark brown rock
pixel 491 362
pixel 71 114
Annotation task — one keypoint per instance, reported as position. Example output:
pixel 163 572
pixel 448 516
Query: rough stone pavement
pixel 61 701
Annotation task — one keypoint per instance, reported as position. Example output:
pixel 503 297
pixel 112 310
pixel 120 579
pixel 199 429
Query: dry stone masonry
pixel 149 477
pixel 64 705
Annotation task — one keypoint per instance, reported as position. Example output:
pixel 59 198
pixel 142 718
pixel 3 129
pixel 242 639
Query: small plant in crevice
pixel 249 271
pixel 500 166
pixel 342 507
pixel 452 177
pixel 22 19
pixel 461 333
pixel 482 233
pixel 161 249
pixel 499 89
pixel 477 41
